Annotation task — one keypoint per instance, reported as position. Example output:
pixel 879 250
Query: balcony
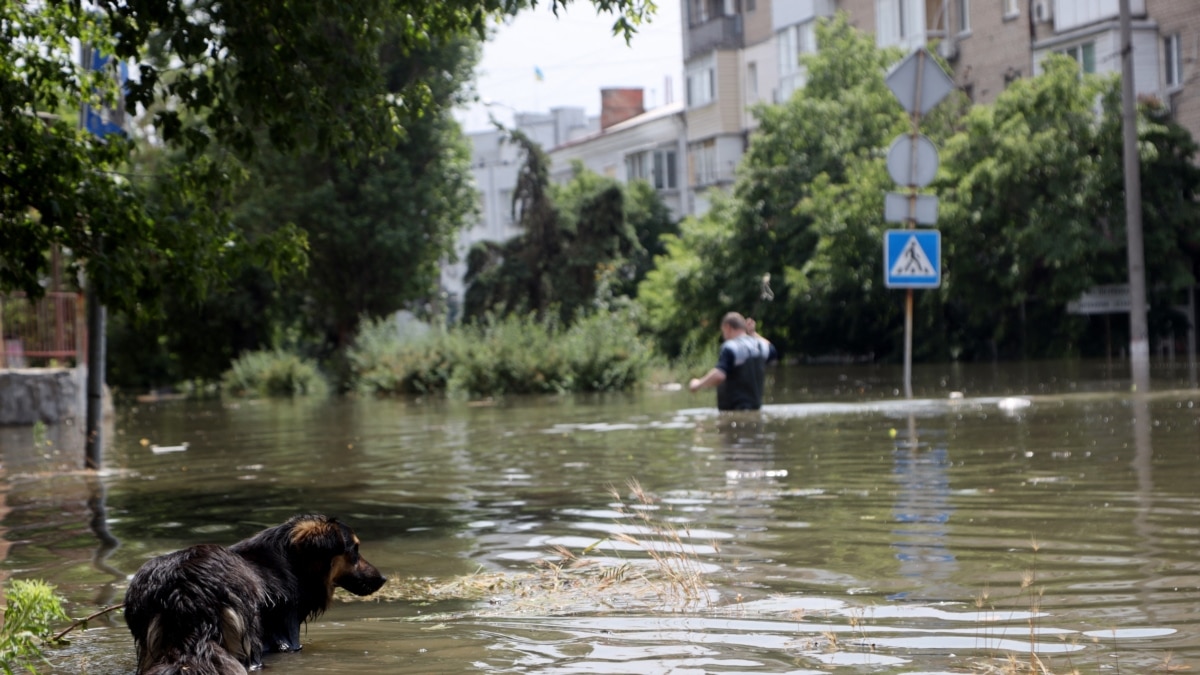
pixel 1070 14
pixel 723 32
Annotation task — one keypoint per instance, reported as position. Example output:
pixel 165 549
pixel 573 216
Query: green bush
pixel 273 373
pixel 606 354
pixel 515 354
pixel 32 607
pixel 382 361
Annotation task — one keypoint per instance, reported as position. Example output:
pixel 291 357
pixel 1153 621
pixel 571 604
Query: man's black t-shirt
pixel 743 360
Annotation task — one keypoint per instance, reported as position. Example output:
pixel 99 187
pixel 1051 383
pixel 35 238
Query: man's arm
pixel 711 379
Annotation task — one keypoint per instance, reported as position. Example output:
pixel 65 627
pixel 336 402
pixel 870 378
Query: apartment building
pixel 990 43
pixel 738 54
pixel 635 144
pixel 729 47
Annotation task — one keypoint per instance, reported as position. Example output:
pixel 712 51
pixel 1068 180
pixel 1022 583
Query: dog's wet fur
pixel 210 610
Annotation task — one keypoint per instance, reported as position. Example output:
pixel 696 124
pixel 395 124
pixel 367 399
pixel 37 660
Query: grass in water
pixel 669 577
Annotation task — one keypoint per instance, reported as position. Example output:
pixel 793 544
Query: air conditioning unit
pixel 1043 10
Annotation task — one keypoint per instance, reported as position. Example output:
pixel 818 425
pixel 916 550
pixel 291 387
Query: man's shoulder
pixel 753 344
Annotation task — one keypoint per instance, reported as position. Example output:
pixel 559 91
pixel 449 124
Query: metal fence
pixel 51 330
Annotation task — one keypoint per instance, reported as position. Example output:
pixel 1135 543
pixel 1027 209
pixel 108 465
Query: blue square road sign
pixel 912 258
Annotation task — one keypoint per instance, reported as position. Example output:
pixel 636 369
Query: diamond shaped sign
pixel 918 82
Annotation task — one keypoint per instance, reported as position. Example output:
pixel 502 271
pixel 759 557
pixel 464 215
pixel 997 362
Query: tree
pixel 377 228
pixel 515 275
pixel 236 75
pixel 759 259
pixel 576 238
pixel 651 220
pixel 1170 210
pixel 614 229
pixel 1020 210
pixel 677 294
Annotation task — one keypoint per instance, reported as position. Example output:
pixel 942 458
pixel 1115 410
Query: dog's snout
pixel 362 579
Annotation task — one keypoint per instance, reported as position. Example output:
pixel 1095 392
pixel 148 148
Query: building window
pixel 750 5
pixel 665 174
pixel 656 167
pixel 1011 8
pixel 1171 61
pixel 701 83
pixel 1084 55
pixel 635 166
pixel 751 82
pixel 505 202
pixel 704 162
pixel 699 11
pixel 794 42
pixel 899 23
pixel 964 16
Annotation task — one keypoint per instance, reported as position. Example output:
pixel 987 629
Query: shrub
pixel 32 607
pixel 606 354
pixel 516 354
pixel 383 361
pixel 273 373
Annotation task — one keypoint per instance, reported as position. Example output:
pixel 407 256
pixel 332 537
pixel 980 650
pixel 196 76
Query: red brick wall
pixel 618 105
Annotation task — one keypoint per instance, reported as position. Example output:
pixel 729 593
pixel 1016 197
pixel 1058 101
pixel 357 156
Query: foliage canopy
pixel 235 76
pixel 1030 210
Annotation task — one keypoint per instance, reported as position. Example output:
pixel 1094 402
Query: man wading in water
pixel 741 367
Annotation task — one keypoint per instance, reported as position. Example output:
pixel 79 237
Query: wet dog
pixel 209 610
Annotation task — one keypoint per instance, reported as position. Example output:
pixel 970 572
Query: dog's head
pixel 332 548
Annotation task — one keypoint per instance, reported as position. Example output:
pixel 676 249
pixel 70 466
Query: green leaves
pixel 1030 211
pixel 32 607
pixel 581 246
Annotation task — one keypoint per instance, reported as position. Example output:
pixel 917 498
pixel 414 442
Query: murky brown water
pixel 1045 512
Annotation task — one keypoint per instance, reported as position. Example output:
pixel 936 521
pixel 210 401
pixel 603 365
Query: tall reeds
pixel 678 568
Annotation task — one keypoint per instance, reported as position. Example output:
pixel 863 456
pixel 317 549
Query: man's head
pixel 733 325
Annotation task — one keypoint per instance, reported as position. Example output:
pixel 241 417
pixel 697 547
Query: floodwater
pixel 1046 521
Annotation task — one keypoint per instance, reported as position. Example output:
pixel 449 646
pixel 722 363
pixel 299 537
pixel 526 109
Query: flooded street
pixel 1013 516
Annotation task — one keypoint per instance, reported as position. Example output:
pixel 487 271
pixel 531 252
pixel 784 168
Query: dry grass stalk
pixel 676 561
pixel 572 581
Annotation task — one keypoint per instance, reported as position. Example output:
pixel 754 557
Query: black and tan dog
pixel 209 610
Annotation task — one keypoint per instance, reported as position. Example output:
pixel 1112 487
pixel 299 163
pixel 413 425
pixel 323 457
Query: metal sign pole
pixel 99 124
pixel 915 117
pixel 908 331
pixel 919 83
pixel 1139 344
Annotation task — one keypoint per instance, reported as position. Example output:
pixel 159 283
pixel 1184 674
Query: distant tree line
pixel 296 174
pixel 291 168
pixel 1031 215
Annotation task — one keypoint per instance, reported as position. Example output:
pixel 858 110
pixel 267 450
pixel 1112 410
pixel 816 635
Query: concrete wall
pixel 48 395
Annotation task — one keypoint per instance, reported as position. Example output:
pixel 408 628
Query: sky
pixel 578 56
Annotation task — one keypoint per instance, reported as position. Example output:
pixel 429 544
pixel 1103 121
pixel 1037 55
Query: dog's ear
pixel 320 533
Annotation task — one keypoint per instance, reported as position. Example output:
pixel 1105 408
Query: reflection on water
pixel 1044 511
pixel 921 514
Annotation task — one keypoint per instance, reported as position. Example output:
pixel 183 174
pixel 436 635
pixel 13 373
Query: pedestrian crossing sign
pixel 912 258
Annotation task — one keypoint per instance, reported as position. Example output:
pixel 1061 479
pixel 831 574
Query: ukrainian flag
pixel 538 74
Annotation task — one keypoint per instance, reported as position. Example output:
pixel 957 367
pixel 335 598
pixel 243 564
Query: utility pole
pixel 93 440
pixel 1139 343
pixel 98 122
